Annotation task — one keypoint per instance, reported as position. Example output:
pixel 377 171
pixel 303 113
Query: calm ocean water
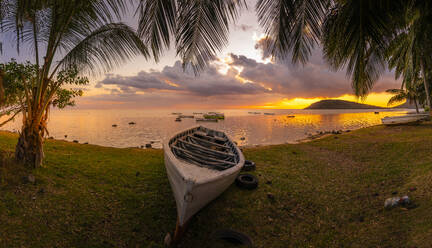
pixel 95 126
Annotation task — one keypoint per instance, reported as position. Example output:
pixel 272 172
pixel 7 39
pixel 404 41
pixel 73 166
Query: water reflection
pixel 95 126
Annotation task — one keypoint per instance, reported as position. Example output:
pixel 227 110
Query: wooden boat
pixel 214 115
pixel 404 119
pixel 186 116
pixel 201 163
pixel 206 120
pixel 178 119
pixel 269 113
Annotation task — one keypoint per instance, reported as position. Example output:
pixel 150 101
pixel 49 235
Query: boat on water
pixel 269 113
pixel 254 113
pixel 201 163
pixel 178 119
pixel 206 120
pixel 175 113
pixel 405 119
pixel 186 116
pixel 291 116
pixel 214 115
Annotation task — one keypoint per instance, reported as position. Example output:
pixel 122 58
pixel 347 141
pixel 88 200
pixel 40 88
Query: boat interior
pixel 206 148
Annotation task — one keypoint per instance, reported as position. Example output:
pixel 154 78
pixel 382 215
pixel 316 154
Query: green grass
pixel 327 193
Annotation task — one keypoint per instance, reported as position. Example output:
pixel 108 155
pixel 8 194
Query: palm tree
pixel 199 28
pixel 72 34
pixel 82 34
pixel 410 94
pixel 402 95
pixel 409 50
pixel 355 35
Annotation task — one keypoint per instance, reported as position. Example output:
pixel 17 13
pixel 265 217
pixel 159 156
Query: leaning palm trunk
pixel 416 105
pixel 428 101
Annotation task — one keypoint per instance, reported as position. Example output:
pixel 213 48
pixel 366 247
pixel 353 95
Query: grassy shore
pixel 324 193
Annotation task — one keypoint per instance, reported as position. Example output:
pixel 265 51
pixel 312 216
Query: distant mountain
pixel 340 104
pixel 406 105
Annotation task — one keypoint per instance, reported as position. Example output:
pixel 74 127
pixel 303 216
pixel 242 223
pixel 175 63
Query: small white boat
pixel 214 115
pixel 206 120
pixel 404 119
pixel 201 163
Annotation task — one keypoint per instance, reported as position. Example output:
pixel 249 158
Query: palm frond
pixel 293 26
pixel 202 29
pixel 157 23
pixel 105 48
pixel 395 91
pixel 355 37
pixel 397 98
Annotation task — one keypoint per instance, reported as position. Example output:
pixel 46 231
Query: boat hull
pixel 194 187
pixel 406 119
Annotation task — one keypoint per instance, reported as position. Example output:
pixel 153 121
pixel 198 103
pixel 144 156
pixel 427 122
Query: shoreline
pixel 326 193
pixel 309 137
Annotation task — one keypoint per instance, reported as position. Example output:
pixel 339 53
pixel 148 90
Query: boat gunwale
pixel 218 173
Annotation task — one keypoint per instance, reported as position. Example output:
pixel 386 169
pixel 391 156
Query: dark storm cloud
pixel 313 79
pixel 142 81
pixel 172 78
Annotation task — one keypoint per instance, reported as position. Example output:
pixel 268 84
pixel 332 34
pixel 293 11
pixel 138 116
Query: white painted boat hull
pixel 405 119
pixel 193 186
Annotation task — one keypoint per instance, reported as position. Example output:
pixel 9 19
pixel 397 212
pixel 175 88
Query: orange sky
pixel 377 99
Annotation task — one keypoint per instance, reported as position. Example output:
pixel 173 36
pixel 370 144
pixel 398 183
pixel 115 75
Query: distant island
pixel 340 104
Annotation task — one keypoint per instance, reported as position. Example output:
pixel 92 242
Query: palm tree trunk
pixel 29 149
pixel 416 104
pixel 428 101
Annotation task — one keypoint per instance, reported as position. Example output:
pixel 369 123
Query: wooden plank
pixel 201 159
pixel 206 149
pixel 209 142
pixel 204 134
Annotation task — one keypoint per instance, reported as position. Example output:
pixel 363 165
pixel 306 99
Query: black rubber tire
pixel 234 237
pixel 249 166
pixel 246 181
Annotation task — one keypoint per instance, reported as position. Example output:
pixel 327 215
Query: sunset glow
pixel 376 99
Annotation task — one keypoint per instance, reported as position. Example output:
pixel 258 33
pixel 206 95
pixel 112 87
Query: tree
pixel 76 36
pixel 199 27
pixel 355 35
pixel 409 94
pixel 19 77
pixel 82 34
pixel 12 93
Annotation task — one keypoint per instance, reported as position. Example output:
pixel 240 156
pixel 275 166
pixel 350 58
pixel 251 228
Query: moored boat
pixel 214 115
pixel 269 113
pixel 404 119
pixel 206 120
pixel 186 116
pixel 201 163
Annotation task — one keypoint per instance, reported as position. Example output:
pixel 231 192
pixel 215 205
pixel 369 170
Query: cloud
pixel 314 79
pixel 172 78
pixel 246 82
